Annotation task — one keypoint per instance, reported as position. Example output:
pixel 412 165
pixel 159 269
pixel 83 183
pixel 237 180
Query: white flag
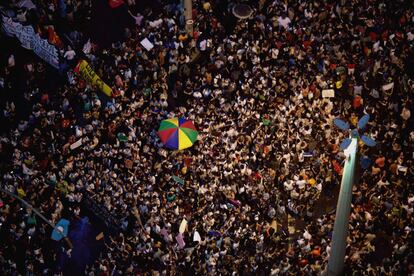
pixel 196 237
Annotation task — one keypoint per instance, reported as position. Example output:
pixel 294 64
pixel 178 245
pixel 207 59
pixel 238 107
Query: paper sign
pixel 183 226
pixel 87 47
pixel 100 236
pixel 357 90
pixel 147 44
pixel 328 93
pixel 178 180
pixel 122 137
pixel 402 168
pixel 388 86
pixel 164 233
pixel 196 237
pixel 180 240
pixel 307 154
pixel 77 144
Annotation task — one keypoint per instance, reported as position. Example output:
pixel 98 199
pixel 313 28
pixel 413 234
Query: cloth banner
pixel 28 4
pixel 85 70
pixel 31 41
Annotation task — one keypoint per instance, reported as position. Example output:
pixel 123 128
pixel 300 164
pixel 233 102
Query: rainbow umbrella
pixel 177 133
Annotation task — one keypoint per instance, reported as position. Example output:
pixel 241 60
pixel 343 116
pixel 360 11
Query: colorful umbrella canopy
pixel 177 133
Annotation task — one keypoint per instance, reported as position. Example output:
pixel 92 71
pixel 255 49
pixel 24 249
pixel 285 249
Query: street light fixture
pixel 343 208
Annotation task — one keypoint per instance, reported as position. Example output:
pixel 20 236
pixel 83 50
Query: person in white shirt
pixel 284 21
pixel 69 54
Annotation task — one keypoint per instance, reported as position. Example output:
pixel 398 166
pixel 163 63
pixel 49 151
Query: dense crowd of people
pixel 267 146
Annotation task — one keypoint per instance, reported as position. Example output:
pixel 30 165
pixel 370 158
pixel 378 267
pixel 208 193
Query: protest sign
pixel 165 234
pixel 196 237
pixel 77 144
pixel 328 93
pixel 387 87
pixel 85 70
pixel 100 236
pixel 183 226
pixel 307 154
pixel 180 240
pixel 147 44
pixel 178 180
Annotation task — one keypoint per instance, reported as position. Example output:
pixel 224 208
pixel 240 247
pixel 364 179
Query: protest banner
pixel 23 33
pixel 31 41
pixel 85 70
pixel 45 51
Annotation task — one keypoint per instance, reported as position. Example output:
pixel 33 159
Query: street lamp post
pixel 340 232
pixel 28 205
pixel 188 13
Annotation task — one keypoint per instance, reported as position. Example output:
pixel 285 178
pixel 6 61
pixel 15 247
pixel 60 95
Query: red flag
pixel 115 3
pixel 337 167
pixel 76 69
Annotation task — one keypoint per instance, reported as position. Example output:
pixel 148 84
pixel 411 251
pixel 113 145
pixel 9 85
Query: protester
pixel 267 148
